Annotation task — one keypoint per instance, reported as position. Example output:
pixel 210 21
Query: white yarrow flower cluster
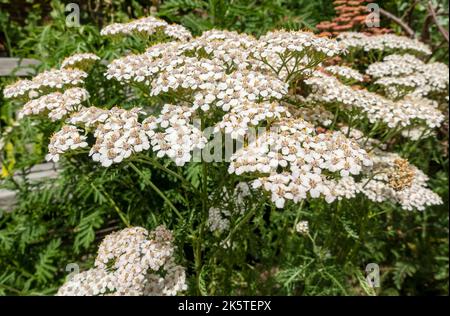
pixel 246 114
pixel 290 53
pixel 417 133
pixel 206 78
pixel 171 284
pixel 92 282
pixel 142 68
pixel 406 74
pixel 81 61
pixel 218 219
pixel 88 117
pixel 343 188
pixel 302 155
pixel 149 26
pixel 120 134
pixel 68 138
pixel 385 42
pixel 391 178
pixel 178 138
pixel 422 109
pixel 345 73
pixel 329 90
pixel 231 90
pixel 395 65
pixel 55 105
pixel 232 49
pixel 128 263
pixel 297 41
pixel 45 82
pixel 119 137
pixel 398 181
pixel 302 227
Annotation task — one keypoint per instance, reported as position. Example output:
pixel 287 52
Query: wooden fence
pixel 19 67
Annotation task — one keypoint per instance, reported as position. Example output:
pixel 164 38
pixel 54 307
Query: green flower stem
pixel 155 163
pixel 411 149
pixel 243 221
pixel 122 216
pixel 158 191
pixel 350 123
pixel 334 217
pixel 362 231
pixel 336 114
pixel 199 239
pixel 299 213
pixel 371 133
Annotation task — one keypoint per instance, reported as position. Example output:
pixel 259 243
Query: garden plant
pixel 213 161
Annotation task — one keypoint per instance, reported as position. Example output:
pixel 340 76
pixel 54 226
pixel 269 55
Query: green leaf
pixel 402 270
pixel 45 268
pixel 85 230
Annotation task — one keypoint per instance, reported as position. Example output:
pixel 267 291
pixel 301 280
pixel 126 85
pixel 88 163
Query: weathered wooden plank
pixel 23 67
pixel 43 167
pixel 38 172
pixel 7 199
pixel 18 66
pixel 39 175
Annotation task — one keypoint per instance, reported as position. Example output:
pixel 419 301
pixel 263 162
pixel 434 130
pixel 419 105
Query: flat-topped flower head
pixel 119 136
pixel 132 68
pixel 384 42
pixel 88 116
pixel 329 90
pixel 55 105
pixel 401 75
pixel 149 26
pixel 240 87
pixel 68 138
pixel 178 137
pixel 395 179
pixel 345 72
pixel 128 263
pixel 298 41
pixel 395 65
pixel 295 161
pixel 231 48
pixel 292 54
pixel 83 61
pixel 45 82
pixel 20 88
pixel 250 114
